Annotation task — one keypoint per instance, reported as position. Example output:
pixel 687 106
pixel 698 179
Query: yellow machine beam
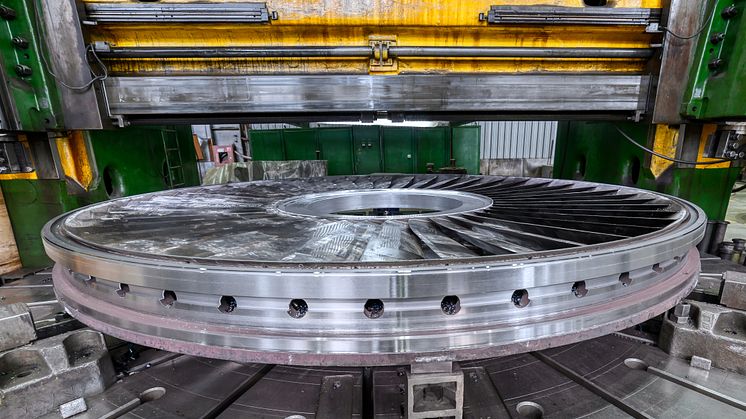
pixel 355 23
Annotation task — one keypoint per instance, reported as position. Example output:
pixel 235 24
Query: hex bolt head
pixel 717 37
pixel 20 42
pixel 23 70
pixel 373 308
pixel 729 12
pixel 7 13
pixel 715 64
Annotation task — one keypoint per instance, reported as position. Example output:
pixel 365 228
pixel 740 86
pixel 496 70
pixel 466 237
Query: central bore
pixel 383 203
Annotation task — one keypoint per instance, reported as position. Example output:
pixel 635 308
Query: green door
pixel 466 146
pixel 336 149
pixel 367 147
pixel 432 146
pixel 300 144
pixel 267 145
pixel 398 150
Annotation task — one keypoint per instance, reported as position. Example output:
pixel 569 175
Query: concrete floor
pixel 736 216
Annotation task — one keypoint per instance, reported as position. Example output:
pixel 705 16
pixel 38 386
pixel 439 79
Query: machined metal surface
pixel 67 59
pixel 287 272
pixel 547 15
pixel 184 96
pixel 368 52
pixel 245 12
pixel 495 388
pixel 683 18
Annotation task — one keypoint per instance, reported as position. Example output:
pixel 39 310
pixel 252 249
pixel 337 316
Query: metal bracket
pixel 435 389
pixel 726 144
pixel 381 60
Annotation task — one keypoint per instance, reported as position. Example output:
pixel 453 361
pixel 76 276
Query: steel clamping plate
pixel 373 270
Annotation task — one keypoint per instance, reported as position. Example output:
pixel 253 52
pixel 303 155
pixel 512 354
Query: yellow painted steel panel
pixel 708 129
pixel 74 158
pixel 665 142
pixel 355 22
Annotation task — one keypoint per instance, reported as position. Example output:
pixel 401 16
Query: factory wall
pixel 517 148
pixel 365 149
pixel 517 139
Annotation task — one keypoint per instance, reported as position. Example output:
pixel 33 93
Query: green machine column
pixel 716 88
pixel 30 99
pixel 129 161
pixel 597 152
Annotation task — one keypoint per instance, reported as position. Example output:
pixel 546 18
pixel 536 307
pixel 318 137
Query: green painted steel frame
pixel 595 151
pixel 31 90
pixel 130 161
pixel 717 87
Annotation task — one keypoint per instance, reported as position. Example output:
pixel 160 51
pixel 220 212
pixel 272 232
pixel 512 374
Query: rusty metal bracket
pixel 381 60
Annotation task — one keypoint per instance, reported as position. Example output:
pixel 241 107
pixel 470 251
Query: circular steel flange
pixel 374 270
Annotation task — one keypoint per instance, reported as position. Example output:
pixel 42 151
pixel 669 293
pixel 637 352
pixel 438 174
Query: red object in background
pixel 223 154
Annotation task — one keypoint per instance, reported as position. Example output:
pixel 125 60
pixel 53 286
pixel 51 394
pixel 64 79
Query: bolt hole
pixel 579 289
pixel 373 308
pixel 530 410
pixel 625 279
pixel 636 364
pixel 450 305
pixel 123 290
pixel 169 298
pixel 152 394
pixel 520 298
pixel 677 258
pixel 297 308
pixel 657 268
pixel 227 304
pixel 24 373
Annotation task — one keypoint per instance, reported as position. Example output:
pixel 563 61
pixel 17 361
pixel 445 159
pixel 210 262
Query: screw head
pixel 23 70
pixel 373 308
pixel 729 12
pixel 7 13
pixel 20 42
pixel 715 64
pixel 717 37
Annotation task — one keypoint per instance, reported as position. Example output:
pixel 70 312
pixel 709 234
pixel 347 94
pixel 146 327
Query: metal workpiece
pixel 37 379
pixel 374 270
pixel 318 96
pixel 714 332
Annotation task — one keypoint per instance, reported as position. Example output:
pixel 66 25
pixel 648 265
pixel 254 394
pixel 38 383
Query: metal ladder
pixel 170 146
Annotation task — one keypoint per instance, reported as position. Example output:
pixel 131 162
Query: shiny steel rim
pixel 478 293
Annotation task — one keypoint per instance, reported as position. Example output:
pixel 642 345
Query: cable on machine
pixel 89 50
pixel 696 33
pixel 663 156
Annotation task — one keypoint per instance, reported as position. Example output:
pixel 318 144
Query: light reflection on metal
pixel 368 287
